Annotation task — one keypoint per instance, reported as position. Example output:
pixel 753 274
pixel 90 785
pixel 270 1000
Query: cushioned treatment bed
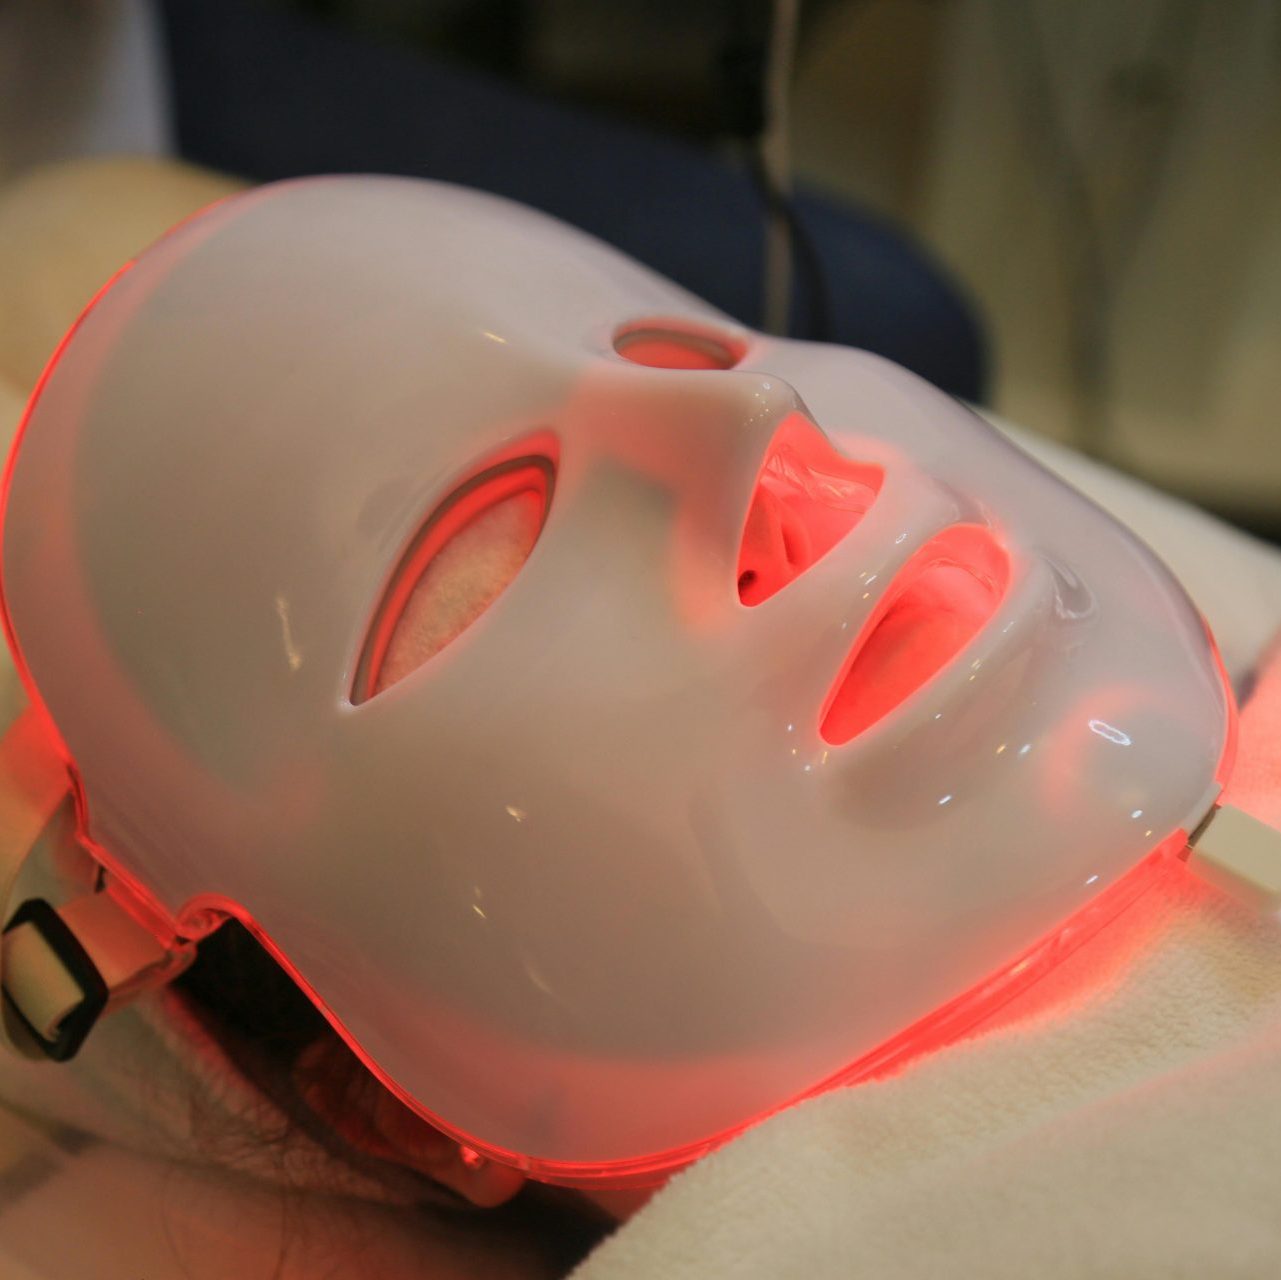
pixel 1123 1117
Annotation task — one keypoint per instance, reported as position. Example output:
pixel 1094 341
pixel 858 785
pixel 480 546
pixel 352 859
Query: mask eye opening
pixel 527 482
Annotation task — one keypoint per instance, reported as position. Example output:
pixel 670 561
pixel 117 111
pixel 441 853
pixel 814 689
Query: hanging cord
pixel 758 64
pixel 773 160
pixel 803 253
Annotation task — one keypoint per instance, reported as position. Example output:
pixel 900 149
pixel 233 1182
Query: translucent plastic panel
pixel 637 854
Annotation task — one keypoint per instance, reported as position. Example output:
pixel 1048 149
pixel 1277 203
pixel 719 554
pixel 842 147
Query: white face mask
pixel 814 706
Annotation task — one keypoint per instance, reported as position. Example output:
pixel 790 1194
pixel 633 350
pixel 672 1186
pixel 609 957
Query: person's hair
pixel 264 1024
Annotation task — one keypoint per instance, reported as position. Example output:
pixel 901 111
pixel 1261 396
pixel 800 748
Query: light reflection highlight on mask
pixel 1110 732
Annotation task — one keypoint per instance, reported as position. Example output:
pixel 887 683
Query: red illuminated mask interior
pixel 940 599
pixel 467 554
pixel 808 497
pixel 659 345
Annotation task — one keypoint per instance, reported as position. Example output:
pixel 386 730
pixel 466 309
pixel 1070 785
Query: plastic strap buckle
pixel 75 1026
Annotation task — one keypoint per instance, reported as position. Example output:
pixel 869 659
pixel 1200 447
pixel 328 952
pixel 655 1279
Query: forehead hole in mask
pixel 467 554
pixel 673 345
pixel 808 497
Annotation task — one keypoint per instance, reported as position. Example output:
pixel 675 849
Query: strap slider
pixel 72 1029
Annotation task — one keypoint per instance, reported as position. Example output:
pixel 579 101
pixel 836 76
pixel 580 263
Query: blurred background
pixel 1067 209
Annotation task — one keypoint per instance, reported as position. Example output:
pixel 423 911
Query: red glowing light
pixel 943 1026
pixel 7 482
pixel 938 602
pixel 524 478
pixel 807 498
pixel 962 574
pixel 1228 757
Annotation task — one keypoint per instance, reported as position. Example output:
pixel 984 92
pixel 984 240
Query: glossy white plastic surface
pixel 590 884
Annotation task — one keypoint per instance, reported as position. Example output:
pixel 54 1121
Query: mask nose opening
pixel 807 498
pixel 939 602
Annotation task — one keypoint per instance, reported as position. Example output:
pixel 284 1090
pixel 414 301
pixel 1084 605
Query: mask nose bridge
pixel 702 436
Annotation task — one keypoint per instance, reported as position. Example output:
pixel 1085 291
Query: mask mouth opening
pixel 941 599
pixel 467 553
pixel 807 498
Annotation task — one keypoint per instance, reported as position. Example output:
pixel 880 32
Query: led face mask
pixel 799 715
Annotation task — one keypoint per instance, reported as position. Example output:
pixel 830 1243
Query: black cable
pixel 816 326
pixel 743 66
